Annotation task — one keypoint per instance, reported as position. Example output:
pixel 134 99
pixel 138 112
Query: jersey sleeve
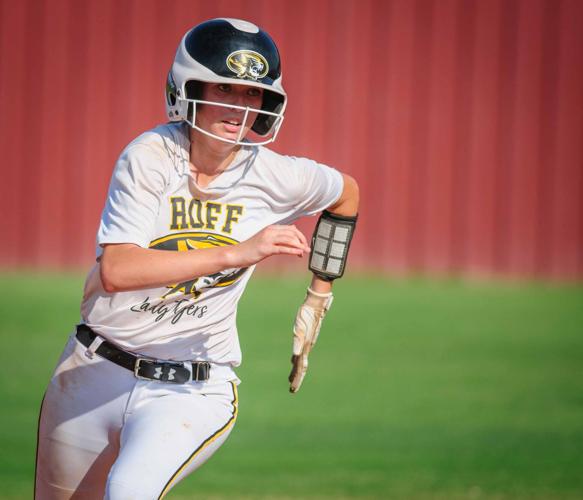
pixel 316 186
pixel 133 201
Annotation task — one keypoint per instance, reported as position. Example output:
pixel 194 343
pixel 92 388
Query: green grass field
pixel 417 390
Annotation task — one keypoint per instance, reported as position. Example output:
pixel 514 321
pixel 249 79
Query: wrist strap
pixel 319 294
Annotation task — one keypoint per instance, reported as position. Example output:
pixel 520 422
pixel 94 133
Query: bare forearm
pixel 129 267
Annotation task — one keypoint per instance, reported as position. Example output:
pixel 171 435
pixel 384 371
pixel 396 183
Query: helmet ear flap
pixel 273 103
pixel 170 90
pixel 175 108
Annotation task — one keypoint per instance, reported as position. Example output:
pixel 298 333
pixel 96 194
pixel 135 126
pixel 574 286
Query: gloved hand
pixel 306 329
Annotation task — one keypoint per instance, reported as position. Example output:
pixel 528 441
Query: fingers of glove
pixel 292 373
pixel 299 333
pixel 299 365
pixel 298 372
pixel 296 384
pixel 298 341
pixel 306 328
pixel 295 368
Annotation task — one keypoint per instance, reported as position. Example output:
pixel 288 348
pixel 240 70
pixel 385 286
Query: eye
pixel 224 87
pixel 255 92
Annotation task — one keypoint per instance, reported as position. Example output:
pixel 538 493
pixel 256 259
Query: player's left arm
pixel 330 245
pixel 345 206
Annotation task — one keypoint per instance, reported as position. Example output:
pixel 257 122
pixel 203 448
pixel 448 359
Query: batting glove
pixel 306 329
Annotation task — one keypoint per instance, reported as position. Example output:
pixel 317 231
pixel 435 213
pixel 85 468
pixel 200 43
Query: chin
pixel 230 136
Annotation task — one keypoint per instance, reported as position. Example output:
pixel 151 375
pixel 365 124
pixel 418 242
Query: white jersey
pixel 154 202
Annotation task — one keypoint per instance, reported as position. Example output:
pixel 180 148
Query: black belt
pixel 145 368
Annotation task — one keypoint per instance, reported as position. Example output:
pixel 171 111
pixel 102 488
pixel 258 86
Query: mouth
pixel 231 125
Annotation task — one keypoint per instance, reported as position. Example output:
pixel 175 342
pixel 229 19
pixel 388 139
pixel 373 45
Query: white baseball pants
pixel 105 434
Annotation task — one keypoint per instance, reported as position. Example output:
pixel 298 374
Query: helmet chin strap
pixel 240 140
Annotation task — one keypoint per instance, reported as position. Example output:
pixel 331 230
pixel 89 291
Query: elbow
pixel 112 264
pixel 353 191
pixel 109 279
pixel 349 200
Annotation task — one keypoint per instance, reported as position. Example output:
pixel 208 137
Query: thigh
pixel 80 420
pixel 168 435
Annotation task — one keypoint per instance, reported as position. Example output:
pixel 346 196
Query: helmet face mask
pixel 228 51
pixel 193 105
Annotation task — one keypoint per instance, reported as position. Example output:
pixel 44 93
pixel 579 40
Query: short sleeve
pixel 133 201
pixel 318 187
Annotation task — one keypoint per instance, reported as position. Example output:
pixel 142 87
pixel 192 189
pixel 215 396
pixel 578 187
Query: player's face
pixel 226 121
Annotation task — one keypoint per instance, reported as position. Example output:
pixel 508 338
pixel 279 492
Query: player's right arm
pixel 126 266
pixel 139 183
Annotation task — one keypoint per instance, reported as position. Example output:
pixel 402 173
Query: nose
pixel 240 98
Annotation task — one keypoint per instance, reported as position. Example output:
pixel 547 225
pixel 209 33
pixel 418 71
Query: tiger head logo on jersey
pixel 247 64
pixel 182 242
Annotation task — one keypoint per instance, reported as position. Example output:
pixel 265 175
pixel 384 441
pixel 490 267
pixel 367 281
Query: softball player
pixel 145 390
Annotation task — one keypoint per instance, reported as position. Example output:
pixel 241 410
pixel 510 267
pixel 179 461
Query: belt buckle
pixel 137 369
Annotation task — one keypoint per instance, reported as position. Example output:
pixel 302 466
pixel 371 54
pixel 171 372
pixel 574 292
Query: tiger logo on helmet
pixel 247 64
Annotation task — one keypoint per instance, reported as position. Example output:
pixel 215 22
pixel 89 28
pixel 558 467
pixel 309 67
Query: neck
pixel 210 156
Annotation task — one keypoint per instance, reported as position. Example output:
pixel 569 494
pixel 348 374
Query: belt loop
pixel 90 351
pixel 195 377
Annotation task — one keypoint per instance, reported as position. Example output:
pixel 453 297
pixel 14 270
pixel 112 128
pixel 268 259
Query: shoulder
pixel 269 156
pixel 289 167
pixel 294 176
pixel 163 148
pixel 276 169
pixel 281 164
pixel 167 142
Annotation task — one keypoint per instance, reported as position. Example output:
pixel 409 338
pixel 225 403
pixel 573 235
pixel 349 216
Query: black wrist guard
pixel 330 244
